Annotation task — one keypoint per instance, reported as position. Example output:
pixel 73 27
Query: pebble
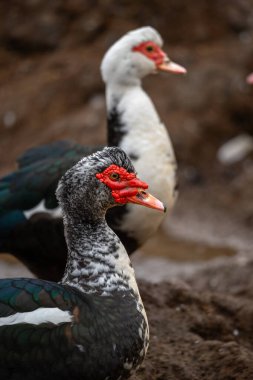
pixel 9 119
pixel 235 149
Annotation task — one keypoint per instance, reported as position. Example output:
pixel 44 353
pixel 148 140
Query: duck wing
pixel 35 328
pixel 30 222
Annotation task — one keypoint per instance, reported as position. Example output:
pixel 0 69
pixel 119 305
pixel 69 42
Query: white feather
pixel 38 316
pixel 40 207
pixel 148 139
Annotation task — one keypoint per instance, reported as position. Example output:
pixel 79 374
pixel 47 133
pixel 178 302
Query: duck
pixel 30 218
pixel 92 324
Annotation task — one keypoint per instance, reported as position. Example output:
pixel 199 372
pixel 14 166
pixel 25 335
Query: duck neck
pixel 128 107
pixel 97 260
pixel 134 126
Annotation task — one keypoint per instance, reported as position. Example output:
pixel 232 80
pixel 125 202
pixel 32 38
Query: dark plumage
pixel 92 325
pixel 115 127
pixel 102 337
pixel 38 241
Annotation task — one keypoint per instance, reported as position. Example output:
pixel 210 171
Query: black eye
pixel 114 176
pixel 149 48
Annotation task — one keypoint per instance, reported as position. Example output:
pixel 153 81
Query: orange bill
pixel 145 199
pixel 172 67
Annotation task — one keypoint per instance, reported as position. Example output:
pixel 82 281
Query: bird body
pixel 30 218
pixel 74 335
pixel 146 141
pixel 28 207
pixel 92 325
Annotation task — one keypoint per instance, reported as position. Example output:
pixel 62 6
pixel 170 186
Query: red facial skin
pixel 151 51
pixel 126 185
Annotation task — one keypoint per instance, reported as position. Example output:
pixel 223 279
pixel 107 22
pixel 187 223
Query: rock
pixel 9 119
pixel 235 149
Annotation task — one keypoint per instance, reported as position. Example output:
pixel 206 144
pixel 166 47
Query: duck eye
pixel 114 176
pixel 149 48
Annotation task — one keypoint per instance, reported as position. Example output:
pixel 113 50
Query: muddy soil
pixel 198 268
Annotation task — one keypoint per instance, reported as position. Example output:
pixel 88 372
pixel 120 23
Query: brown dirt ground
pixel 50 88
pixel 197 334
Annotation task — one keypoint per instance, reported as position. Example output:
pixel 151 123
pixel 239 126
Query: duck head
pixel 135 55
pixel 100 181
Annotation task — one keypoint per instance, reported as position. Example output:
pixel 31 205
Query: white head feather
pixel 122 65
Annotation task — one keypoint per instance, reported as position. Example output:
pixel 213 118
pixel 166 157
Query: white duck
pixel 134 125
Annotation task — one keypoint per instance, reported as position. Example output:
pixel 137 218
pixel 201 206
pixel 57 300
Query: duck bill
pixel 171 67
pixel 145 199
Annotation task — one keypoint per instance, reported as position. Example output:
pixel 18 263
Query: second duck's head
pixel 100 181
pixel 135 55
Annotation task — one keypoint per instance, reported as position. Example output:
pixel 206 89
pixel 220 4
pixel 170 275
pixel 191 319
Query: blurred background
pixel 51 88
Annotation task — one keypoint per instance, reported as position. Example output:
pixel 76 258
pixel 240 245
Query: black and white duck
pixel 92 324
pixel 30 219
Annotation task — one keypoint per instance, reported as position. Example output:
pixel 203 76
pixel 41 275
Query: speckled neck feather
pixel 97 261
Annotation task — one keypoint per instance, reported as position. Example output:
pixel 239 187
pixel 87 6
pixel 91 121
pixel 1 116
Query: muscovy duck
pixel 29 218
pixel 92 325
